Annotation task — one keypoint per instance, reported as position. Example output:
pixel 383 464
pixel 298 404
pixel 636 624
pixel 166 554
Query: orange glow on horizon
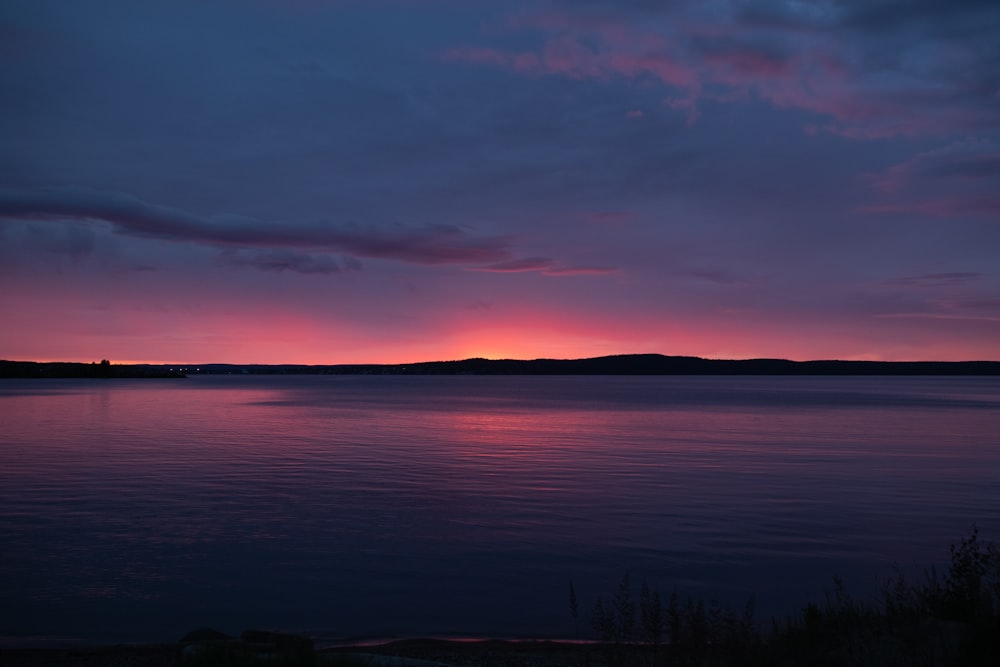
pixel 491 352
pixel 276 335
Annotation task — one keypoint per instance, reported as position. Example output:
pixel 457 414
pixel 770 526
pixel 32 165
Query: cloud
pixel 545 266
pixel 973 167
pixel 718 277
pixel 427 244
pixel 579 271
pixel 279 261
pixel 939 316
pixel 611 218
pixel 929 16
pixel 875 70
pixel 948 295
pixel 968 159
pixel 941 208
pixel 936 279
pixel 957 179
pixel 518 265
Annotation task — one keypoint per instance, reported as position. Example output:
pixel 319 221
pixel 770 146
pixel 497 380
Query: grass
pixel 949 619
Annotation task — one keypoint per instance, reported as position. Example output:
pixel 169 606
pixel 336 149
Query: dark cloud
pixel 545 266
pixel 428 244
pixel 943 55
pixel 786 16
pixel 949 207
pixel 936 279
pixel 718 277
pixel 977 166
pixel 518 265
pixel 643 5
pixel 958 179
pixel 580 270
pixel 933 15
pixel 279 261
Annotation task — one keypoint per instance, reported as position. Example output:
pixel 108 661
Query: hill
pixel 626 364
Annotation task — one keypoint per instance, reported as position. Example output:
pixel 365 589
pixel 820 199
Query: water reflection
pixel 257 500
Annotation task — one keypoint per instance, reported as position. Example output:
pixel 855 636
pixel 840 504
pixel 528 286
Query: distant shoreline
pixel 413 652
pixel 627 364
pixel 71 370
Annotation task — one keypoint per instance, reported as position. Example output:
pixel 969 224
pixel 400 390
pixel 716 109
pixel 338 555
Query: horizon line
pixel 512 359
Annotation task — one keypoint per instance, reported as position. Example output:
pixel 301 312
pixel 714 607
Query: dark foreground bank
pixel 950 619
pixel 403 653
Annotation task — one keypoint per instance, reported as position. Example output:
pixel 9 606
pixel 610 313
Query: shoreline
pixel 400 652
pixel 26 643
pixel 625 364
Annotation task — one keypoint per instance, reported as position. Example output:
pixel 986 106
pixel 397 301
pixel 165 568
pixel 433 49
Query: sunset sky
pixel 339 181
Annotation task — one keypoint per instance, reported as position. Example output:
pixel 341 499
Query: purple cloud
pixel 427 244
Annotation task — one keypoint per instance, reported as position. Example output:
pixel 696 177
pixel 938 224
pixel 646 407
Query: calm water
pixel 365 505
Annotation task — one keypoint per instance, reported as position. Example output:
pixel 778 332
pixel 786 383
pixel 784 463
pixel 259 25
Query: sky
pixel 391 181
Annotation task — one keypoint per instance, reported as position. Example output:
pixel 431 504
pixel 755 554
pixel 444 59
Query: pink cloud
pixel 806 65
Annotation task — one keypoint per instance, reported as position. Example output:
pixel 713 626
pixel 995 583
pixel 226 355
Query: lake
pixel 361 506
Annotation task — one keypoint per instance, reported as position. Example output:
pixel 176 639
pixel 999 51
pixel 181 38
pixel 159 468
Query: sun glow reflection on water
pixel 430 505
